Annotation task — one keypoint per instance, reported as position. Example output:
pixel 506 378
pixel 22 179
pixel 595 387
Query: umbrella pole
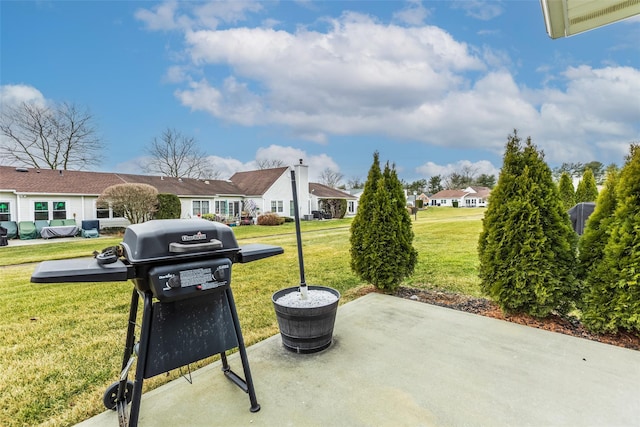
pixel 296 216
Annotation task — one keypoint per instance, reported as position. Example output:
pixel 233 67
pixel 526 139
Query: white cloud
pixel 357 78
pixel 414 13
pixel 227 166
pixel 418 83
pixel 597 111
pixel 16 94
pixel 480 9
pixel 173 15
pixel 430 169
pixel 291 156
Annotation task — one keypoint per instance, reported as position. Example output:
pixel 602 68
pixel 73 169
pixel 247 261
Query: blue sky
pixel 433 85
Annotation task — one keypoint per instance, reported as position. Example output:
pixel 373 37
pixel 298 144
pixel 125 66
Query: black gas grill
pixel 182 271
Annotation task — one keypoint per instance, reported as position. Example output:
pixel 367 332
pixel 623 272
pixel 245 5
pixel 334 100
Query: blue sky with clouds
pixel 433 85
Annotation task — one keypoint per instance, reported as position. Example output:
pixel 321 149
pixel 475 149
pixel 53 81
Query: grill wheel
pixel 111 395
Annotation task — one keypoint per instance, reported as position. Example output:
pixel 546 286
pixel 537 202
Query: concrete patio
pixel 396 362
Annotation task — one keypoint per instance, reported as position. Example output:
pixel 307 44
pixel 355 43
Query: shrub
pixel 527 247
pixel 359 226
pixel 269 218
pixel 212 217
pixel 137 202
pixel 288 219
pixel 596 232
pixel 567 193
pixel 587 190
pixel 336 207
pixel 381 244
pixel 613 301
pixel 169 206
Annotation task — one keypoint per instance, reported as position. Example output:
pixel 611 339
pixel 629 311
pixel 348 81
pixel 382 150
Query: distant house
pixel 352 205
pixel 413 198
pixel 28 194
pixel 319 192
pixel 470 197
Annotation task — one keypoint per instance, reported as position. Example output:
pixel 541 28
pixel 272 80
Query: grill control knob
pixel 174 282
pixel 218 275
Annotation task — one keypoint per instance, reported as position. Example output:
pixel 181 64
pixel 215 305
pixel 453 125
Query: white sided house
pixel 470 197
pixel 29 194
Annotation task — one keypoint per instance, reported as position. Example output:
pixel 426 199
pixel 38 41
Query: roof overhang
pixel 565 18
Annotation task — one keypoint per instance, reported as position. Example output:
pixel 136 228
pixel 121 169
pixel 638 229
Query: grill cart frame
pixel 181 271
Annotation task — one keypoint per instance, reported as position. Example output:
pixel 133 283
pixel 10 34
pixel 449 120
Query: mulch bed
pixel 485 307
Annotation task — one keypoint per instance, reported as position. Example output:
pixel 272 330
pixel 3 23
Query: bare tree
pixel 176 155
pixel 137 202
pixel 330 178
pixel 463 178
pixel 355 182
pixel 269 163
pixel 62 136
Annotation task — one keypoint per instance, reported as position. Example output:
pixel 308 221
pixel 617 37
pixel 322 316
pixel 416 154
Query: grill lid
pixel 161 239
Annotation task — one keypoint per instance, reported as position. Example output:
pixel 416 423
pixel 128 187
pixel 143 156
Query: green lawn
pixel 62 343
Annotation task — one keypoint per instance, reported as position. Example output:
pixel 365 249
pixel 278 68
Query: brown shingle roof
pixel 322 191
pixel 446 194
pixel 256 183
pixel 48 181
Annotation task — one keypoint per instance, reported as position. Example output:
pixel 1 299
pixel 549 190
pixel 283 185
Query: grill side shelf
pixel 80 270
pixel 257 251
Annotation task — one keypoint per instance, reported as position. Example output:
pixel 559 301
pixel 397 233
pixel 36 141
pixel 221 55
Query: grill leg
pixel 121 398
pixel 131 330
pixel 248 382
pixel 142 359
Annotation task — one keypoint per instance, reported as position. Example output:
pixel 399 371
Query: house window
pixel 277 206
pixel 102 210
pixel 221 207
pixel 351 206
pixel 59 210
pixel 234 208
pixel 199 207
pixel 292 209
pixel 5 214
pixel 105 211
pixel 41 211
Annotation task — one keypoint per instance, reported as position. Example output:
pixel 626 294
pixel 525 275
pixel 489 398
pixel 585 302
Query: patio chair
pixel 56 222
pixel 12 228
pixel 40 224
pixel 27 230
pixel 69 222
pixel 3 236
pixel 89 228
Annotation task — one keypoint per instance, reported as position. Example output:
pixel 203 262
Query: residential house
pixel 28 194
pixel 352 205
pixel 319 192
pixel 476 197
pixel 469 197
pixel 413 198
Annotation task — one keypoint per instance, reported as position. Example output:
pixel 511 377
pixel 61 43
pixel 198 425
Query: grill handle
pixel 181 248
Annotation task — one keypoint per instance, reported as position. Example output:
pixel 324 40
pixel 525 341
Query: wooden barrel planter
pixel 306 329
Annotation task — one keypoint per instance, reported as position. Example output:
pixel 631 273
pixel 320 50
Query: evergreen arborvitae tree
pixel 360 224
pixel 613 298
pixel 567 193
pixel 527 248
pixel 386 254
pixel 587 190
pixel 169 207
pixel 596 232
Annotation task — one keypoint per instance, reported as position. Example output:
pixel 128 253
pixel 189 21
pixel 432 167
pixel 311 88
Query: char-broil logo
pixel 191 238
